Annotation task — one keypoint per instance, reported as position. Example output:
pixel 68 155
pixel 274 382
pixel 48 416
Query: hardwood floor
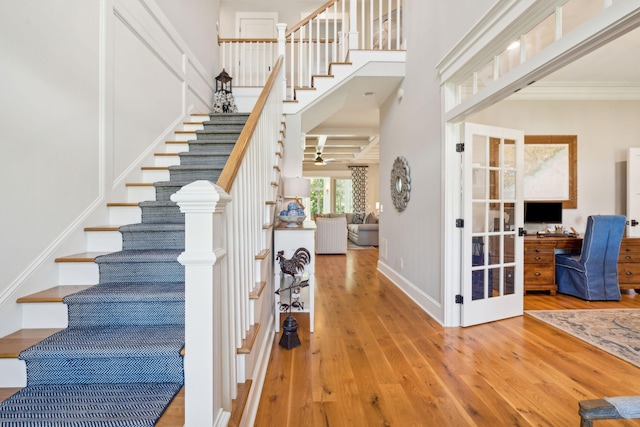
pixel 376 359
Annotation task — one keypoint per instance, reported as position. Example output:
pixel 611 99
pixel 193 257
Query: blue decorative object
pixel 292 206
pixel 593 274
pixel 283 213
pixel 293 213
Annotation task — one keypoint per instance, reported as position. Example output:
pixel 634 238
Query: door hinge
pixel 459 223
pixel 632 223
pixel 522 231
pixel 460 147
pixel 459 299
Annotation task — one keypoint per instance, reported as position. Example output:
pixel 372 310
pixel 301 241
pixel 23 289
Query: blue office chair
pixel 593 274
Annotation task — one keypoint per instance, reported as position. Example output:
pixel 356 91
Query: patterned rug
pixel 616 331
pixel 353 247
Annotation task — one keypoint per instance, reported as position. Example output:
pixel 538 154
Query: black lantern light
pixel 223 82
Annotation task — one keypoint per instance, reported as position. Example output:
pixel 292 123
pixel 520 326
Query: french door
pixel 492 259
pixel 633 192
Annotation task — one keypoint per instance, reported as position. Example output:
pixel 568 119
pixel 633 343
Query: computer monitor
pixel 543 212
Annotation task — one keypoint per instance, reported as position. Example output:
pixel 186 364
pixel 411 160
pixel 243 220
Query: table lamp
pixel 296 188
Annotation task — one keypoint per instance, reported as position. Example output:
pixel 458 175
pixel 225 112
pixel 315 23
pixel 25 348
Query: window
pixel 318 199
pixel 330 195
pixel 343 199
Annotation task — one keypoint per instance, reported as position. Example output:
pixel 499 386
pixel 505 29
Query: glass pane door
pixel 492 248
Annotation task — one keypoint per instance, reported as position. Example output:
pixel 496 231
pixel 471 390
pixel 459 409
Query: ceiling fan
pixel 319 160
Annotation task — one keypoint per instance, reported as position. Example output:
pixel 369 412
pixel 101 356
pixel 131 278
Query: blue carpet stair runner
pixel 118 362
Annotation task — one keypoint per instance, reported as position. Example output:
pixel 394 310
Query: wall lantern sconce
pixel 223 82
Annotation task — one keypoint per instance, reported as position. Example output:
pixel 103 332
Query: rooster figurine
pixel 300 258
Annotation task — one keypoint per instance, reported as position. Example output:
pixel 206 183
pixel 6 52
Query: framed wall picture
pixel 550 163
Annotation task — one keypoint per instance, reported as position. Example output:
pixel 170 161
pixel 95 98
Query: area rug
pixel 353 247
pixel 616 331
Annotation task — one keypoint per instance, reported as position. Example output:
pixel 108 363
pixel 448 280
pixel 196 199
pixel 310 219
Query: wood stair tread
pixel 54 294
pixel 103 228
pixel 7 392
pixel 155 168
pixel 166 154
pixel 81 257
pixel 250 340
pixel 238 404
pixel 257 291
pixel 12 344
pixel 174 414
pixel 123 204
pixel 263 254
pixel 139 184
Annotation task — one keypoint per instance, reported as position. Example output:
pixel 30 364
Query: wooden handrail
pixel 306 20
pixel 228 175
pixel 237 40
pixel 321 40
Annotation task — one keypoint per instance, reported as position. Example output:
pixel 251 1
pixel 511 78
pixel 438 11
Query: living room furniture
pixel 289 240
pixel 362 234
pixel 331 235
pixel 593 274
pixel 539 262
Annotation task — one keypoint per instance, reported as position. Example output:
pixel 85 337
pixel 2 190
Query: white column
pixel 206 402
pixel 282 51
pixel 353 24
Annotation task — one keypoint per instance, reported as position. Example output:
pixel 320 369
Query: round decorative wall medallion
pixel 400 183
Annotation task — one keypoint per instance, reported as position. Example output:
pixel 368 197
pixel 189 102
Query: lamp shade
pixel 297 187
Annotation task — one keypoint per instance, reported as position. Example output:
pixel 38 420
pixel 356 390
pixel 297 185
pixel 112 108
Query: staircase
pixel 123 336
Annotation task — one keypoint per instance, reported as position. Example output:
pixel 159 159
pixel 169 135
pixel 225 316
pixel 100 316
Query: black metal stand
pixel 290 337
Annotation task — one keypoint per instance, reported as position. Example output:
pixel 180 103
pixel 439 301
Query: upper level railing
pixel 324 37
pixel 224 231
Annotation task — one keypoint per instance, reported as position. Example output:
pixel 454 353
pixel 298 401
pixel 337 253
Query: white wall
pixel 605 130
pixel 89 88
pixel 412 128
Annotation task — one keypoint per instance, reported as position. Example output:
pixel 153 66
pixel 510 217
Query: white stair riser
pixel 184 136
pixel 192 127
pixel 13 373
pixel 323 83
pixel 121 215
pixel 103 241
pixel 155 175
pixel 78 273
pixel 199 118
pixel 166 160
pixel 176 148
pixel 137 194
pixel 241 371
pixel 44 315
pixel 252 312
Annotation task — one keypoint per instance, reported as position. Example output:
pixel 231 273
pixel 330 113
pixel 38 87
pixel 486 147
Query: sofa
pixel 362 228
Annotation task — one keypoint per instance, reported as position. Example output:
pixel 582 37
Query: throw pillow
pixel 358 218
pixel 371 219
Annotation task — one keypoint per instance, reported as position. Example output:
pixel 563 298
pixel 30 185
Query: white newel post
pixel 207 403
pixel 353 25
pixel 282 50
